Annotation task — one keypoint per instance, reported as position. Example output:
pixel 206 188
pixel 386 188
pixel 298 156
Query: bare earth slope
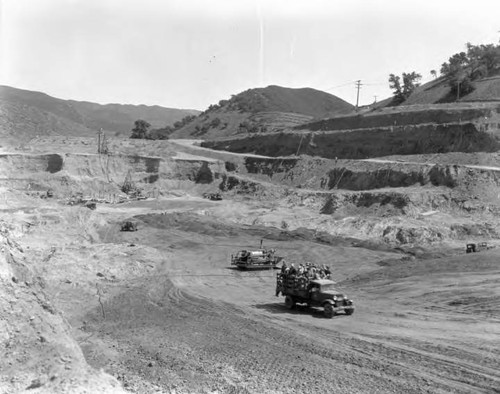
pixel 418 129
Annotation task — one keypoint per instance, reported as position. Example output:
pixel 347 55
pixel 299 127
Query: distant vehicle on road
pixel 213 196
pixel 472 247
pixel 314 293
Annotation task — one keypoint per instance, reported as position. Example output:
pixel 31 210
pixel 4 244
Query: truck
pixel 256 259
pixel 128 226
pixel 213 196
pixel 473 247
pixel 313 292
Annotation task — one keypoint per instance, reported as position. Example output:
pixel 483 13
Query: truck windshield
pixel 328 288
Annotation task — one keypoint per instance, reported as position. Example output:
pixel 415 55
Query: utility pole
pixel 99 135
pixel 375 97
pixel 358 86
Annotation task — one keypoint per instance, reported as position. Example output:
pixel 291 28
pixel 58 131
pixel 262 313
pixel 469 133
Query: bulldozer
pixel 256 259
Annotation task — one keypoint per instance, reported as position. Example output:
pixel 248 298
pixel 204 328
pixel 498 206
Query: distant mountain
pixel 25 114
pixel 269 109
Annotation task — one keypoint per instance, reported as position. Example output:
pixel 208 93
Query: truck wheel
pixel 289 302
pixel 328 310
pixel 349 311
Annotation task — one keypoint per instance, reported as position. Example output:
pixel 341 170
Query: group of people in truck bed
pixel 307 270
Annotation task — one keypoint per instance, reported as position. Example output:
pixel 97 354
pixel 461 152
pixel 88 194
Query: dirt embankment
pixel 332 175
pixel 396 203
pixel 401 131
pixel 365 143
pixel 38 352
pixel 408 116
pixel 70 173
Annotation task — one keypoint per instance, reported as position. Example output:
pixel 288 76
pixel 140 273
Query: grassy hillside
pixel 269 109
pixel 120 117
pixel 20 122
pixel 305 101
pixel 439 91
pixel 25 114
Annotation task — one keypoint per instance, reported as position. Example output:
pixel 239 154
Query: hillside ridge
pixel 270 109
pixel 26 114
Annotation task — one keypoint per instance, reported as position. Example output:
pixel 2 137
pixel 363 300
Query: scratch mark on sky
pixel 261 43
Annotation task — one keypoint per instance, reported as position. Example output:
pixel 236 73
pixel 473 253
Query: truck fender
pixel 328 302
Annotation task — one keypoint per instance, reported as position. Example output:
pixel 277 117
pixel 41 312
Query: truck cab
pixel 315 293
pixel 323 292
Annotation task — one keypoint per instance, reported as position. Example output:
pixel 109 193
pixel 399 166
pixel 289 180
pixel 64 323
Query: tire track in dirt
pixel 420 357
pixel 449 372
pixel 223 328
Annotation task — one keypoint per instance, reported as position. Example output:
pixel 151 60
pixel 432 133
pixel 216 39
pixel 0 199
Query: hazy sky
pixel 191 53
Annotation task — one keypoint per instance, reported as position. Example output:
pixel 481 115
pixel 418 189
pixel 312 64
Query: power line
pixel 339 86
pixel 376 83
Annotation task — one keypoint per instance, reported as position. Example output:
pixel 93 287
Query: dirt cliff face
pixel 38 352
pixel 324 174
pixel 94 174
pixel 367 143
pixel 409 116
pixel 392 131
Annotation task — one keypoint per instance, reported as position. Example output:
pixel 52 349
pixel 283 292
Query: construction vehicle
pixel 472 247
pixel 130 188
pixel 314 293
pixel 256 259
pixel 90 205
pixel 213 196
pixel 129 226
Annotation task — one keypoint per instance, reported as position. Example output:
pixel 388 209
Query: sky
pixel 193 53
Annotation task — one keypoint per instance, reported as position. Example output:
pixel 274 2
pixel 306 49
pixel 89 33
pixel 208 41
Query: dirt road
pixel 487 168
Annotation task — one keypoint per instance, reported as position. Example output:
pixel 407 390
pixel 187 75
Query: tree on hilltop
pixel 403 91
pixel 140 129
pixel 463 68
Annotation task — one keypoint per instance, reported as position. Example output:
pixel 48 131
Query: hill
pixel 439 91
pixel 25 114
pixel 471 75
pixel 269 109
pixel 305 101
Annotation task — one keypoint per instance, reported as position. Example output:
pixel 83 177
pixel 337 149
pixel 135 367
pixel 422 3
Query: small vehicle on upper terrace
pixel 314 293
pixel 472 247
pixel 213 196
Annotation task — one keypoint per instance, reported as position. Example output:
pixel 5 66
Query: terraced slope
pixel 399 131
